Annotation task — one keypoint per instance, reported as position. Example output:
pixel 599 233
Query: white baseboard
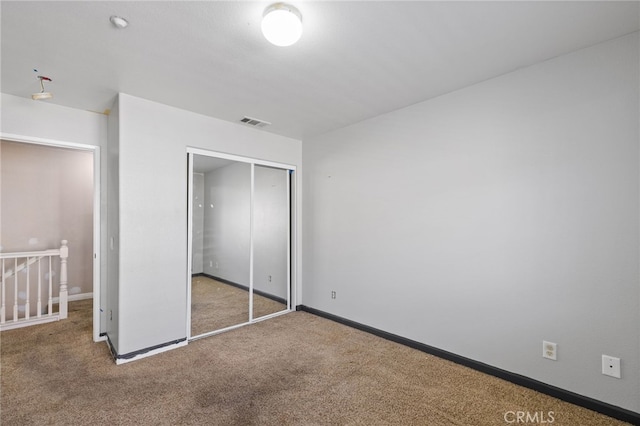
pixel 75 297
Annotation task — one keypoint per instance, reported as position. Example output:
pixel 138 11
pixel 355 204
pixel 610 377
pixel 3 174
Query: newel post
pixel 64 254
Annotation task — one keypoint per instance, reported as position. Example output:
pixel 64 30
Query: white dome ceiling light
pixel 282 24
pixel 42 95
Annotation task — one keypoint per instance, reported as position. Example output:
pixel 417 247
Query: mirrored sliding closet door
pixel 240 242
pixel 271 237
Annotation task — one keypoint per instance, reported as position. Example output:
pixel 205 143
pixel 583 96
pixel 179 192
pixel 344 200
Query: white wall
pixel 486 220
pixel 227 222
pixel 25 117
pixel 197 239
pixel 270 222
pixel 112 240
pixel 153 209
pixel 227 226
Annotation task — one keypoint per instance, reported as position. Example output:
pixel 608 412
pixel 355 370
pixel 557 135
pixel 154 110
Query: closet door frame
pixel 291 252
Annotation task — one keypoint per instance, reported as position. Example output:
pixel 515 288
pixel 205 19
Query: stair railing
pixel 15 263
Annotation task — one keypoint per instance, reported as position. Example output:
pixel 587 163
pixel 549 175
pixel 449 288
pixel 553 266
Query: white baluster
pixel 3 313
pixel 64 254
pixel 27 304
pixel 50 304
pixel 15 290
pixel 39 287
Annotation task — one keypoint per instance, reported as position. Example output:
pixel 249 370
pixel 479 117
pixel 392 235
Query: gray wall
pixel 486 220
pixel 112 208
pixel 227 222
pixel 152 192
pixel 227 216
pixel 198 209
pixel 270 222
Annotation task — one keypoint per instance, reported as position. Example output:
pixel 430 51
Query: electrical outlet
pixel 611 366
pixel 549 350
pixel 333 294
pixel 210 263
pixel 269 278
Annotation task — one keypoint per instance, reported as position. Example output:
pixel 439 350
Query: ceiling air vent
pixel 254 122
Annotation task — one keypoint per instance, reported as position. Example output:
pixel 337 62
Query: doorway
pixel 239 249
pixel 50 192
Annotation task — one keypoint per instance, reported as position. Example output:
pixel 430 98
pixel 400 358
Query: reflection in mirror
pixel 221 215
pixel 216 305
pixel 240 224
pixel 271 217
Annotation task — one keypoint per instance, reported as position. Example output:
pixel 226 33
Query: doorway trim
pixel 291 235
pixel 95 150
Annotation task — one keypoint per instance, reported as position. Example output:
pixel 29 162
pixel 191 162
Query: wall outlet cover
pixel 611 366
pixel 549 350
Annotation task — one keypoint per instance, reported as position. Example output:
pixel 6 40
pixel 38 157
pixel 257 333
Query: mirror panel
pixel 240 242
pixel 221 215
pixel 271 219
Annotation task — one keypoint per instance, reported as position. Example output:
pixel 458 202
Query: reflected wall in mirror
pixel 240 240
pixel 271 218
pixel 221 215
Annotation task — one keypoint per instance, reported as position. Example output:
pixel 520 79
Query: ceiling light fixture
pixel 119 22
pixel 282 24
pixel 42 94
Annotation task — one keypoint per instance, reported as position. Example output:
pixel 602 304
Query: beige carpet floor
pixel 216 305
pixel 295 369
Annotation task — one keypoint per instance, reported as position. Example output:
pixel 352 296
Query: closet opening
pixel 240 221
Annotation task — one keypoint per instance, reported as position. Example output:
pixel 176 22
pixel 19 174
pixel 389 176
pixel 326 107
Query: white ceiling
pixel 355 60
